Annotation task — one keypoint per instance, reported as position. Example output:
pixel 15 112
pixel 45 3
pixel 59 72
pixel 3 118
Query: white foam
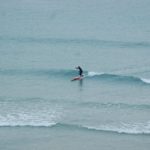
pixel 91 73
pixel 26 120
pixel 145 80
pixel 137 128
pixel 32 118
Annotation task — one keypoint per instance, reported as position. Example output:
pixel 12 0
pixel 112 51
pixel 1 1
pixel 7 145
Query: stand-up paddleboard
pixel 77 78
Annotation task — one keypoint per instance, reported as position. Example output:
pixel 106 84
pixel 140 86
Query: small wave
pixel 115 105
pixel 137 128
pixel 69 73
pixel 93 42
pixel 69 102
pixel 115 77
pixel 133 129
pixel 123 128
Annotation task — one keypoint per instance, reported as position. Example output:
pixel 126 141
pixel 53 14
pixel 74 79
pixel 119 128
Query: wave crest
pixel 115 77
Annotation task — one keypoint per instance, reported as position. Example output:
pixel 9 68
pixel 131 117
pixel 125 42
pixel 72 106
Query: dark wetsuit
pixel 80 71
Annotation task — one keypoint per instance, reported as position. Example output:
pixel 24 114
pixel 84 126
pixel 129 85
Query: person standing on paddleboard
pixel 80 71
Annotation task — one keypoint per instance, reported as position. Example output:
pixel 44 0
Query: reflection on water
pixel 80 85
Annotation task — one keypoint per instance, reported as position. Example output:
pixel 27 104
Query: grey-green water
pixel 41 42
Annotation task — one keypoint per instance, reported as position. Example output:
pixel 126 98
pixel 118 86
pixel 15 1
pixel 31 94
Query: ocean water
pixel 41 43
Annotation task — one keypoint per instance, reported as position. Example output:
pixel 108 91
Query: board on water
pixel 77 78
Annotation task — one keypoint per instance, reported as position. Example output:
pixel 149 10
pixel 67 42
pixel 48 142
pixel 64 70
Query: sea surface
pixel 41 43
